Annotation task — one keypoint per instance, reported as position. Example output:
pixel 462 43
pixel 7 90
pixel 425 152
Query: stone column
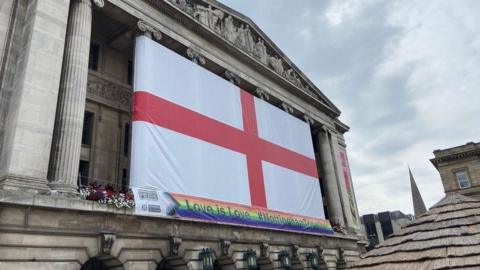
pixel 329 178
pixel 71 100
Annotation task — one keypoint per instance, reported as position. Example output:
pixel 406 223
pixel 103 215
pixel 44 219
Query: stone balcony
pixel 31 226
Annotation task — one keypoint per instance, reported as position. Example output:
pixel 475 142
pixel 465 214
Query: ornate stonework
pixel 232 77
pixel 108 92
pixel 149 30
pixel 195 56
pixel 287 108
pixel 175 243
pixel 240 34
pixel 262 93
pixel 107 240
pixel 225 247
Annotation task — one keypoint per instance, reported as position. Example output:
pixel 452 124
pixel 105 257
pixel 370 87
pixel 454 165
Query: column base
pixel 24 183
pixel 62 189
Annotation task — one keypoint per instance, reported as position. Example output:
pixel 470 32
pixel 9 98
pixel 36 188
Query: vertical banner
pixel 198 137
pixel 348 183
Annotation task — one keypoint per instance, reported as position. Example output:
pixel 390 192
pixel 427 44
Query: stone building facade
pixel 459 169
pixel 66 85
pixel 378 227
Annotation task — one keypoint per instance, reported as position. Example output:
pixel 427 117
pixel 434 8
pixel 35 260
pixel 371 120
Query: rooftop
pixel 445 237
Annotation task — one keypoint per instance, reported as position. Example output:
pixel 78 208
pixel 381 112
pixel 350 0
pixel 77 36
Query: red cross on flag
pixel 195 133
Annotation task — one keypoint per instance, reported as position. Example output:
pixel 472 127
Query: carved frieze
pixel 239 33
pixel 108 92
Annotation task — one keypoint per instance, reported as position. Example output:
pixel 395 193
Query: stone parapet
pixel 79 230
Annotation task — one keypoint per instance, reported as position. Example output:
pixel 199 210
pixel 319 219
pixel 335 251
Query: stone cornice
pixel 341 127
pixel 455 156
pixel 241 33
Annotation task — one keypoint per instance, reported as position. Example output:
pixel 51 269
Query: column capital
pixel 287 108
pixel 309 120
pixel 232 77
pixel 149 30
pixel 99 3
pixel 195 56
pixel 262 93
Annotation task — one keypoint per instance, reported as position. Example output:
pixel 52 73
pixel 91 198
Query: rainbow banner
pixel 218 211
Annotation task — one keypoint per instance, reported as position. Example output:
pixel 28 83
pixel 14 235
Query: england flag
pixel 195 133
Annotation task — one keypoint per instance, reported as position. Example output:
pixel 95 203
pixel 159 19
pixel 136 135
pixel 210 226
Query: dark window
pixel 371 230
pixel 386 224
pixel 93 56
pixel 126 139
pixel 130 72
pixel 87 128
pixel 124 180
pixel 83 173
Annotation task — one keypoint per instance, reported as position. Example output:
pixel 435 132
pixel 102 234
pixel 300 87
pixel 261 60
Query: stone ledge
pixel 56 202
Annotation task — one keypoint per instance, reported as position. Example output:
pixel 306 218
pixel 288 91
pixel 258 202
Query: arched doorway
pixel 103 262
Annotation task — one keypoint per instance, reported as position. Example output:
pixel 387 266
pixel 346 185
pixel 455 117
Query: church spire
pixel 418 204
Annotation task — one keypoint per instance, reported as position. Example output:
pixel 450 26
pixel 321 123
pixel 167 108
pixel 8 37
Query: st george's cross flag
pixel 196 134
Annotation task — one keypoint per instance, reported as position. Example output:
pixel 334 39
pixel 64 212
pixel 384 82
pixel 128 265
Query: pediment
pixel 241 32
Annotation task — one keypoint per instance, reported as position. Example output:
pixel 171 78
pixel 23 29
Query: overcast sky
pixel 405 74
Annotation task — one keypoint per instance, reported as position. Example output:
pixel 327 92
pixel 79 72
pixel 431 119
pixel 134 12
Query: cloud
pixel 406 75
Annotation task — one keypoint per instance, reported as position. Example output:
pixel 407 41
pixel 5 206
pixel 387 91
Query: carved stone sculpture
pixel 242 37
pixel 241 40
pixel 225 247
pixel 260 51
pixel 249 42
pixel 201 14
pixel 295 251
pixel 107 240
pixel 183 5
pixel 229 29
pixel 215 19
pixel 175 243
pixel 276 64
pixel 264 250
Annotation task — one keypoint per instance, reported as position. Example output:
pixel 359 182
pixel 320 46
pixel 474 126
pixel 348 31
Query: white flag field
pixel 194 133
